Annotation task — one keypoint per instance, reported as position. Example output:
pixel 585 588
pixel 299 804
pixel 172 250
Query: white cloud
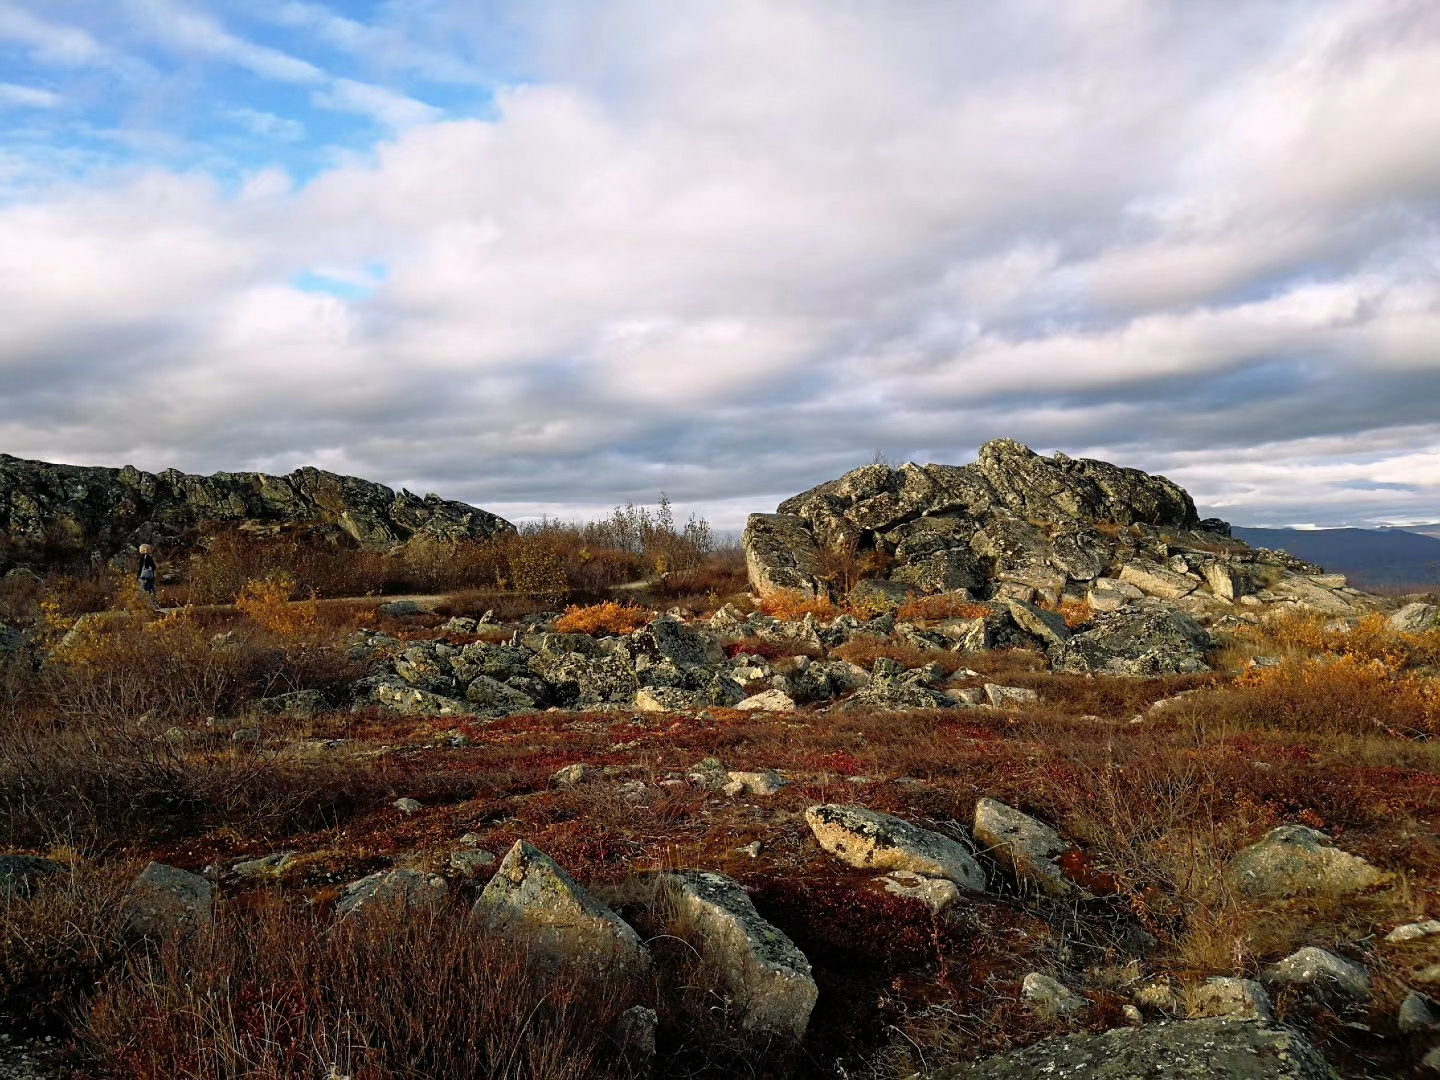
pixel 267 125
pixel 388 107
pixel 729 249
pixel 48 42
pixel 28 97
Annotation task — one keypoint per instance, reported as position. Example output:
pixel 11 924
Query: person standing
pixel 147 572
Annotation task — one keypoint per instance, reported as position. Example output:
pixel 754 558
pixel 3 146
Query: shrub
pixel 950 605
pixel 792 604
pixel 280 992
pixel 269 603
pixel 609 617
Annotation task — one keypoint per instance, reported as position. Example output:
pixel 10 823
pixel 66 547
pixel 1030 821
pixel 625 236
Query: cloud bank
pixel 590 250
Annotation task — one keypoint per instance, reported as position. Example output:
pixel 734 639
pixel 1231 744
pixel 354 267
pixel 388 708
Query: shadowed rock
pixel 163 900
pixel 395 889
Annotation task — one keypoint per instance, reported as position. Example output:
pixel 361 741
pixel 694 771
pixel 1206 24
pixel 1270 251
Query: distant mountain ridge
pixel 1372 557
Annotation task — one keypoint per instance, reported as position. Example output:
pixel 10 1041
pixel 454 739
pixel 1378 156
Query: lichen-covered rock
pixel 684 646
pixel 494 696
pixel 397 889
pixel 163 900
pixel 768 701
pixel 937 894
pixel 412 701
pixel 1416 618
pixel 86 508
pixel 1046 625
pixel 1030 848
pixel 1138 642
pixel 1320 972
pixel 764 973
pixel 662 699
pixel 764 782
pixel 1009 697
pixel 533 899
pixel 1295 860
pixel 781 553
pixel 1184 1050
pixel 871 840
pixel 1237 999
pixel 1155 580
pixel 1049 997
pixel 1413 931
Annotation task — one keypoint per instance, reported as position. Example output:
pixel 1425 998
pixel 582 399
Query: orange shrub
pixel 1348 695
pixel 792 605
pixel 951 605
pixel 268 603
pixel 610 617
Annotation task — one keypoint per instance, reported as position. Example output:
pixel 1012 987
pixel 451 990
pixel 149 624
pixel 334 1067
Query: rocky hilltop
pixel 73 509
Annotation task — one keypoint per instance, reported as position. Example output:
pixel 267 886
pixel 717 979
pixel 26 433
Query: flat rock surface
pixel 871 840
pixel 1186 1050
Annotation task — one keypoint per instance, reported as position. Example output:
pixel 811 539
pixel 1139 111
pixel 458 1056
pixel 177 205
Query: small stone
pixel 1414 931
pixel 468 861
pixel 1132 1015
pixel 407 806
pixel 765 782
pixel 769 701
pixel 1009 697
pixel 402 888
pixel 1320 971
pixel 1417 1013
pixel 935 893
pixel 245 735
pixel 400 608
pixel 1158 996
pixel 751 849
pixel 265 866
pixel 1049 997
pixel 1238 999
pixel 571 775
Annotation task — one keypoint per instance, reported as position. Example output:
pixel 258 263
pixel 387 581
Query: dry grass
pixel 942 606
pixel 274 991
pixel 793 605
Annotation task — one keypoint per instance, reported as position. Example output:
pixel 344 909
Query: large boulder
pixel 1295 860
pixel 1137 641
pixel 780 554
pixel 532 899
pixel 871 840
pixel 1185 1050
pixel 764 973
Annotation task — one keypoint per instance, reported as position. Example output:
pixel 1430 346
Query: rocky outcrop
pixel 1012 518
pixel 1188 1050
pixel 47 508
pixel 1137 641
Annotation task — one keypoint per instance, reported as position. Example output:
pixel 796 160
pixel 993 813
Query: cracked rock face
pixel 1187 1050
pixel 763 970
pixel 871 840
pixel 109 510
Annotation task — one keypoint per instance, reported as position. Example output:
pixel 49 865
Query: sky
pixel 547 256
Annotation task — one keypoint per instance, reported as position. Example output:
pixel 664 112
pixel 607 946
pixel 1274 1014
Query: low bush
pixel 609 617
pixel 948 605
pixel 271 605
pixel 792 605
pixel 277 991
